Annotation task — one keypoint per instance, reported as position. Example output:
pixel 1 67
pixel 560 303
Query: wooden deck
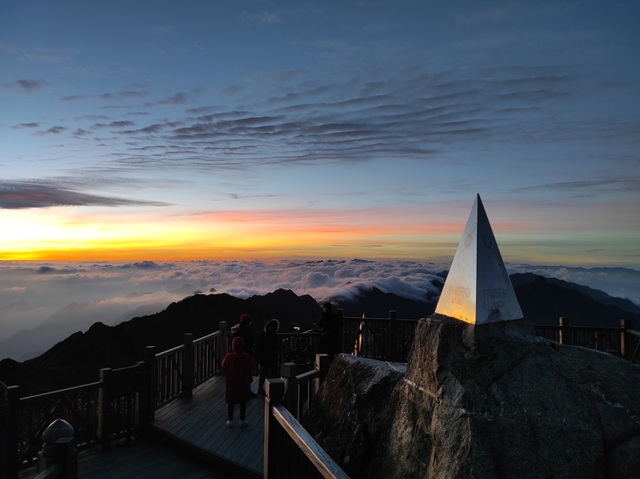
pixel 144 458
pixel 189 439
pixel 197 426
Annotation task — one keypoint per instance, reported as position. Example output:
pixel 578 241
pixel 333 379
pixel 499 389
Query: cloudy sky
pixel 241 129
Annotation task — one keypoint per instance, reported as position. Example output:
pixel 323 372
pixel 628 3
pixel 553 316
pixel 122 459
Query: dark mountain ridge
pixel 79 357
pixel 520 279
pixel 544 300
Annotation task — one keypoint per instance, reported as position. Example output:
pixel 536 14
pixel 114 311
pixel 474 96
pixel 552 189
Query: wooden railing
pixel 379 338
pixel 290 452
pixel 118 406
pixel 299 348
pixel 621 341
pixel 178 370
pixel 124 400
pixel 29 417
pixel 391 338
pixel 303 383
pixel 632 348
pixel 100 412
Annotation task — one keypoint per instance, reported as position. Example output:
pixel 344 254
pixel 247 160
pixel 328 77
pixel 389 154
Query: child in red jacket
pixel 238 368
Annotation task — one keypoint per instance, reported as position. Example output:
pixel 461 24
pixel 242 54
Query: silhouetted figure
pixel 267 352
pixel 331 325
pixel 243 330
pixel 238 367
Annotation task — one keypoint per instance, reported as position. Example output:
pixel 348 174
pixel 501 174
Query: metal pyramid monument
pixel 478 289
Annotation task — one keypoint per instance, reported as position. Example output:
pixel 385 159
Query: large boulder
pixel 351 409
pixel 493 400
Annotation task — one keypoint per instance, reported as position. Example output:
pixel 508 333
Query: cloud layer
pixel 76 295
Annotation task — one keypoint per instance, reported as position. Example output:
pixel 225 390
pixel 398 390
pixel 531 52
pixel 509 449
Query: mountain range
pixel 78 358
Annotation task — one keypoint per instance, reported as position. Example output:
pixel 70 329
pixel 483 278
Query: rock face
pixel 488 401
pixel 351 409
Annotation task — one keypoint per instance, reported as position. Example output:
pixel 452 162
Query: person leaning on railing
pixel 331 325
pixel 243 330
pixel 267 350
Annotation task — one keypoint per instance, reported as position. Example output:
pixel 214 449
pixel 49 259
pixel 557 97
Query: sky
pixel 262 130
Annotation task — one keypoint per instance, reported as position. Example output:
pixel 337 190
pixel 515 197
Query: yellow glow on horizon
pixel 76 234
pixel 68 234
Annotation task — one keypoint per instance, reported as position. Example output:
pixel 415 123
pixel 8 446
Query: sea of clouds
pixel 57 299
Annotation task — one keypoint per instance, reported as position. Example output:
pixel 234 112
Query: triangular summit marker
pixel 478 289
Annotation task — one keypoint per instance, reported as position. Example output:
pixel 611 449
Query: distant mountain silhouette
pixel 521 279
pixel 544 300
pixel 79 357
pixel 28 343
pixel 374 303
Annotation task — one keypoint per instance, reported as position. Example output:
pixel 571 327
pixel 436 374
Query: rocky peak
pixel 484 401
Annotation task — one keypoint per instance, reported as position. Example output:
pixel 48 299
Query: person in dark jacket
pixel 237 367
pixel 331 324
pixel 243 330
pixel 267 352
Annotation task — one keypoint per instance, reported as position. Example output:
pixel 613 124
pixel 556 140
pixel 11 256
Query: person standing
pixel 243 330
pixel 268 352
pixel 237 366
pixel 331 324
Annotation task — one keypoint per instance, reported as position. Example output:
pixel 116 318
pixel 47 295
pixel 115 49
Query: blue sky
pixel 255 129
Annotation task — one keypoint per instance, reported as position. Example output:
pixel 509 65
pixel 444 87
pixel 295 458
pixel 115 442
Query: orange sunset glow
pixel 223 235
pixel 324 130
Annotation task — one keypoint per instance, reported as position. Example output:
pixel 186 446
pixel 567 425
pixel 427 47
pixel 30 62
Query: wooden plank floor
pixel 145 458
pixel 198 426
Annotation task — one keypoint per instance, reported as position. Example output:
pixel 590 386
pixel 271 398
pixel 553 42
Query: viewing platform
pixel 197 426
pixel 188 439
pixel 169 428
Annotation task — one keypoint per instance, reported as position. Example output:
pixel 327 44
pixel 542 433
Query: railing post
pixel 289 371
pixel 152 382
pixel 323 362
pixel 340 313
pixel 142 400
pixel 223 326
pixel 188 366
pixel 13 417
pixel 393 336
pixel 4 429
pixel 104 408
pixel 274 394
pixel 564 337
pixel 624 345
pixel 59 448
